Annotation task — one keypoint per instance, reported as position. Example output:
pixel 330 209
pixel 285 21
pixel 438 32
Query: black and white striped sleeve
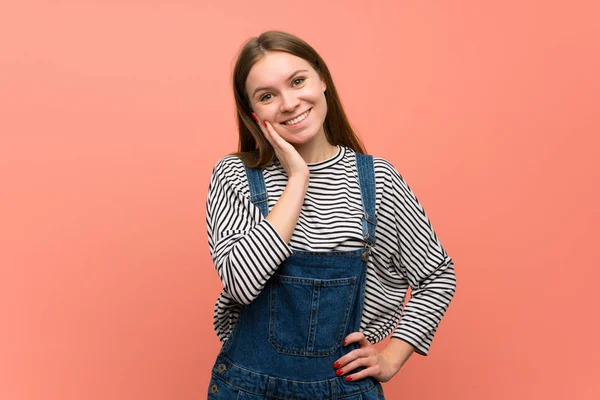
pixel 245 248
pixel 427 267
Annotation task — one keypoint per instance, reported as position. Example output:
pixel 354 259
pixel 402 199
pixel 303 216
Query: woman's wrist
pixel 398 352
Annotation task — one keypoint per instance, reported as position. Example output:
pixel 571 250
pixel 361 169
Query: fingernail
pixel 348 378
pixel 344 342
pixel 339 372
pixel 336 365
pixel 265 122
pixel 255 117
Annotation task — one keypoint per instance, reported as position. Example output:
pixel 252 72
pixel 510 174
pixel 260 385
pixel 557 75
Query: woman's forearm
pixel 285 213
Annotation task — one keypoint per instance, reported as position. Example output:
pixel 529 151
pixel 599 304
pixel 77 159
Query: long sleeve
pixel 426 266
pixel 245 248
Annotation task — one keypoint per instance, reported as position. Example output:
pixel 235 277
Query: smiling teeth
pixel 298 119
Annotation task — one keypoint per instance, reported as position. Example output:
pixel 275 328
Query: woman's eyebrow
pixel 290 77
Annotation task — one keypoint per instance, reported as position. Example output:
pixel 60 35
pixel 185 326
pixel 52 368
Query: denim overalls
pixel 285 342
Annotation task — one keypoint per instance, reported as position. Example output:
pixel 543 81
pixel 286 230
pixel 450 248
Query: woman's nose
pixel 289 102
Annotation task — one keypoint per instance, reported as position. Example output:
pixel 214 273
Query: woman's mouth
pixel 296 121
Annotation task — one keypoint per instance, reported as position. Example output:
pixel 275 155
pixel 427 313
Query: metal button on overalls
pixel 222 367
pixel 365 256
pixel 214 389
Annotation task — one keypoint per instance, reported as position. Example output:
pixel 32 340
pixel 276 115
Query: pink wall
pixel 113 114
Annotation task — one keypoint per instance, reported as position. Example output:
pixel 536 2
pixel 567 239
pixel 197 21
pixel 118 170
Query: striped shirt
pixel 246 249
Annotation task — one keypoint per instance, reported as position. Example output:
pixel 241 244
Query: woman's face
pixel 282 88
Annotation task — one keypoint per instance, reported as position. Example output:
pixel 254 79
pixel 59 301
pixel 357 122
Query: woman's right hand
pixel 291 161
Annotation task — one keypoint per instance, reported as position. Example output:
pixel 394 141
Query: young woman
pixel 315 243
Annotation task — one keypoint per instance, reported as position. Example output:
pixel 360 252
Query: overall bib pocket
pixel 308 317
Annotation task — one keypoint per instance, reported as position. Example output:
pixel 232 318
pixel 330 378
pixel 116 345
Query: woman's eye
pixel 265 97
pixel 298 79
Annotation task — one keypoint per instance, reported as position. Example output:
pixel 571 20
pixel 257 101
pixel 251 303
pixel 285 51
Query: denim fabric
pixel 285 342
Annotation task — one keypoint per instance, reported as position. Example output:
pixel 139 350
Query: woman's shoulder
pixel 238 161
pixel 384 168
pixel 228 162
pixel 229 170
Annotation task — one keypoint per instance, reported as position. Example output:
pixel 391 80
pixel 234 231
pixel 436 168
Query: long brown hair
pixel 254 149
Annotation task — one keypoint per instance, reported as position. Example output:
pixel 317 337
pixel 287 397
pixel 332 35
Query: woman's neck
pixel 316 151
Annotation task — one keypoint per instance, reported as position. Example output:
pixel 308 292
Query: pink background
pixel 112 115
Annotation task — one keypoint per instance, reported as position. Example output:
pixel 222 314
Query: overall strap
pixel 366 179
pixel 258 190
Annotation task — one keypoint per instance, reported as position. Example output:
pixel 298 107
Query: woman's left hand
pixel 377 364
